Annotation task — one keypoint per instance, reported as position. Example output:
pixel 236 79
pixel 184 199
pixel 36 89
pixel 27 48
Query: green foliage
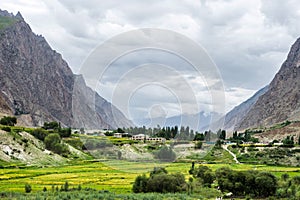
pixel 53 143
pixel 27 188
pixel 288 141
pixel 166 183
pixel 39 133
pixel 167 132
pixel 199 137
pixel 75 142
pixel 166 154
pixel 159 181
pixel 140 184
pixel 6 128
pixel 265 184
pixel 107 133
pixel 198 145
pixel 66 186
pixel 51 125
pixel 8 121
pixel 119 130
pixel 65 132
pixel 158 170
pixel 223 135
pixel 241 183
pixel 205 174
pixel 93 143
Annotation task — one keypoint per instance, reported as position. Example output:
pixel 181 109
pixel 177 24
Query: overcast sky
pixel 247 40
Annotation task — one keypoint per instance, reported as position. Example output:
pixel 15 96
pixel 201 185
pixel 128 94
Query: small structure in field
pixel 118 135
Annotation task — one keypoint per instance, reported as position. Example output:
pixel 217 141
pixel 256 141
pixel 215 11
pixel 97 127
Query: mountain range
pixel 38 86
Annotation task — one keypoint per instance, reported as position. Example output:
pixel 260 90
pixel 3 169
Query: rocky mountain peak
pixel 37 85
pixel 282 100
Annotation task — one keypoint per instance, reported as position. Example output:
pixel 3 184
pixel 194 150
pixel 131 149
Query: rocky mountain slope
pixel 237 114
pixel 22 147
pixel 282 100
pixel 37 85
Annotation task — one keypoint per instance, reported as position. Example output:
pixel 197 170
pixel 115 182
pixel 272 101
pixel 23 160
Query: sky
pixel 246 41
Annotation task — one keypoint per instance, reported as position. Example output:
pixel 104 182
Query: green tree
pixel 223 135
pixel 140 184
pixel 166 183
pixel 53 143
pixel 266 184
pixel 205 174
pixel 198 145
pixel 288 141
pixel 119 130
pixel 199 136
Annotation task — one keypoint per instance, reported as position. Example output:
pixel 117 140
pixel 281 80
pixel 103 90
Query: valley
pixel 60 139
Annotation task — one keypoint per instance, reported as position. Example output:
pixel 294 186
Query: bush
pixel 140 184
pixel 53 143
pixel 166 154
pixel 6 128
pixel 39 133
pixel 51 125
pixel 159 181
pixel 198 145
pixel 8 121
pixel 27 188
pixel 205 174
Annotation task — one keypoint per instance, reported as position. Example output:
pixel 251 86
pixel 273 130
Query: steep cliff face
pixel 37 85
pixel 237 114
pixel 282 101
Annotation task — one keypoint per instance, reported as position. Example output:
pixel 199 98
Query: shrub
pixel 27 188
pixel 6 128
pixel 166 154
pixel 53 143
pixel 39 133
pixel 8 121
pixel 159 181
pixel 140 184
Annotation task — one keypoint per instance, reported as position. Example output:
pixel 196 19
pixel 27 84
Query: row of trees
pixel 182 133
pixel 240 183
pixel 247 183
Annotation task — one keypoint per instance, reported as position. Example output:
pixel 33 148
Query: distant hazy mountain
pixel 197 122
pixel 37 85
pixel 282 100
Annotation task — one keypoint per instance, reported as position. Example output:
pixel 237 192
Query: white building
pixel 140 137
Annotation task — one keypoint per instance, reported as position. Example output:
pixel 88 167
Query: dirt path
pixel 234 156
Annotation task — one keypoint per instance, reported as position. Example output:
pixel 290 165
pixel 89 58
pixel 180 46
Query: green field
pixel 114 176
